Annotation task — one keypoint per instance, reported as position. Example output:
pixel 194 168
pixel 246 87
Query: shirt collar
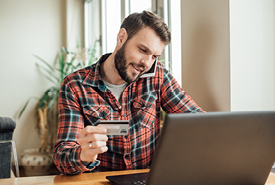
pixel 94 76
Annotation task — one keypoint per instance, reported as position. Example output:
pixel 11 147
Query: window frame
pixel 172 52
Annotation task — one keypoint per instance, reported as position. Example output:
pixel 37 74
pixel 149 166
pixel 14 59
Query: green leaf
pixel 50 73
pixel 46 97
pixel 78 66
pixel 53 100
pixel 43 101
pixel 62 64
pixel 49 66
pixel 69 66
pixel 81 64
pixel 25 106
pixel 64 50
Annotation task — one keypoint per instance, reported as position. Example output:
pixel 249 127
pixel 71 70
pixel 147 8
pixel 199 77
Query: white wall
pixel 27 27
pixel 228 59
pixel 252 45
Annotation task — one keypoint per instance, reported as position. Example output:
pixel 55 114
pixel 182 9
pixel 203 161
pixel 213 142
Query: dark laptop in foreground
pixel 216 148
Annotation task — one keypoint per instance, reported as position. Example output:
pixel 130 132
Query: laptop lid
pixel 215 148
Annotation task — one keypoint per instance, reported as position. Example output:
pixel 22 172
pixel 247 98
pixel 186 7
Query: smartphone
pixel 151 72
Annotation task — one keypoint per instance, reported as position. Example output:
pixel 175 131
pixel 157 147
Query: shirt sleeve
pixel 67 150
pixel 174 99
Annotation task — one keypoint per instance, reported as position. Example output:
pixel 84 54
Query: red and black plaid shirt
pixel 85 100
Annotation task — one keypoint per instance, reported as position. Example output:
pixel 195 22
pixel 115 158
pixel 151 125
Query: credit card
pixel 115 127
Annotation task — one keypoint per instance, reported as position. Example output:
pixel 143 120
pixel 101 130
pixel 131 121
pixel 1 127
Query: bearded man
pixel 112 89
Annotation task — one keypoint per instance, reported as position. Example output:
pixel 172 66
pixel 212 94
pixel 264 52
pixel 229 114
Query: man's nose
pixel 146 61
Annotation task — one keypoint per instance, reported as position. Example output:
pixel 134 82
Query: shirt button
pixel 125 137
pixel 124 115
pixel 127 156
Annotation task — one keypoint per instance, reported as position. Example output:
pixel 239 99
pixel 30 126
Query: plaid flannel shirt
pixel 85 100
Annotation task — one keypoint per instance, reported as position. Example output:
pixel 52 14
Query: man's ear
pixel 121 37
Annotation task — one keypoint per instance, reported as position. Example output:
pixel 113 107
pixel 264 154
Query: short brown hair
pixel 137 21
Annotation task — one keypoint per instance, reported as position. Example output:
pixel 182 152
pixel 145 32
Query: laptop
pixel 217 148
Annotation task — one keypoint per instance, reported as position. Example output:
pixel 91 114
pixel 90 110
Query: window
pixel 92 26
pixel 103 19
pixel 139 5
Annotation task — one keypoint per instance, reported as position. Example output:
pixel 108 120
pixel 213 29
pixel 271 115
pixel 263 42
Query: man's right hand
pixel 92 140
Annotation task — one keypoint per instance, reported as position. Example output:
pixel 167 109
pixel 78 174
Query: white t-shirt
pixel 116 89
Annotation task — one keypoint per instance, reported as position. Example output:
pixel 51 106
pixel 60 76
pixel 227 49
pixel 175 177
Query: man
pixel 112 89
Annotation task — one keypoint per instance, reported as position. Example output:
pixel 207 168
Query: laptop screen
pixel 215 148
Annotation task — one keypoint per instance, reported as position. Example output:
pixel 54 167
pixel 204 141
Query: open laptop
pixel 216 148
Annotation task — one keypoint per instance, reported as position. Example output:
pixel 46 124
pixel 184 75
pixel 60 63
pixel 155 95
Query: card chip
pixel 115 127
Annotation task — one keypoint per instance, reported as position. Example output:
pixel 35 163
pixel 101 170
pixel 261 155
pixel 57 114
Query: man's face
pixel 137 55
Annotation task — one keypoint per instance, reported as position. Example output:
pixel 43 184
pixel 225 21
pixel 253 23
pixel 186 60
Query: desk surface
pixel 86 178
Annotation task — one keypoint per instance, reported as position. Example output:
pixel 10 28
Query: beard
pixel 121 66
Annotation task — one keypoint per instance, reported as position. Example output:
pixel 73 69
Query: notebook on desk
pixel 212 148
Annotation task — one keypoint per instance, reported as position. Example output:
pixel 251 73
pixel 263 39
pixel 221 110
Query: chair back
pixel 7 126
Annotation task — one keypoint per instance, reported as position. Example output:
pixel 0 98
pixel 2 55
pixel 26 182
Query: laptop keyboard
pixel 139 182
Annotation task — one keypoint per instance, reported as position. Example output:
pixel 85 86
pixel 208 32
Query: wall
pixel 206 52
pixel 28 27
pixel 228 60
pixel 75 23
pixel 252 30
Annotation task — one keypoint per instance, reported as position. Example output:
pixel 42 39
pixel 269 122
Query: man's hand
pixel 92 140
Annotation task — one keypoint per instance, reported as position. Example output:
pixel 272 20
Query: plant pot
pixel 36 163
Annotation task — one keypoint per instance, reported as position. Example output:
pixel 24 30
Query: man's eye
pixel 143 50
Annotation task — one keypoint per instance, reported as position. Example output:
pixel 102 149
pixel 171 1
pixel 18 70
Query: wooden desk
pixel 83 179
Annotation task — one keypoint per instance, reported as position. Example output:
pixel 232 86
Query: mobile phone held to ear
pixel 151 72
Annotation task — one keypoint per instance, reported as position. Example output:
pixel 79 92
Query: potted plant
pixel 47 110
pixel 47 106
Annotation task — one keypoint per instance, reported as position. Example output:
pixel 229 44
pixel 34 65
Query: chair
pixel 7 147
